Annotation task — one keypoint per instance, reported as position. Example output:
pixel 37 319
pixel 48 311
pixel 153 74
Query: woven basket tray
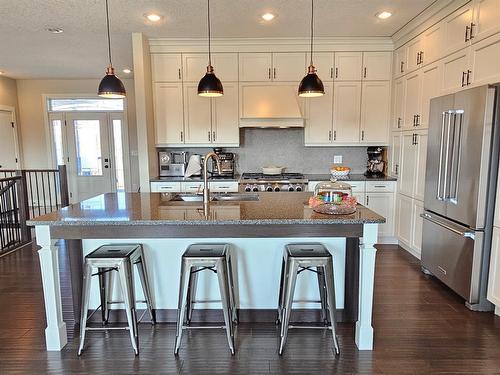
pixel 335 209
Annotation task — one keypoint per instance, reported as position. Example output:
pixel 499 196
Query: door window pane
pixel 66 105
pixel 88 147
pixel 58 141
pixel 117 135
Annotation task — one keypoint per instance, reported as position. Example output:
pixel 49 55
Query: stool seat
pixel 113 251
pixel 307 250
pixel 206 250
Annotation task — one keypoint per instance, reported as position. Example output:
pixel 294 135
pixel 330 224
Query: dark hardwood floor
pixel 421 327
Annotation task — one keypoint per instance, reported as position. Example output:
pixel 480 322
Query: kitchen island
pixel 256 225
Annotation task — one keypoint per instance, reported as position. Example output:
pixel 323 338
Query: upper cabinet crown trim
pixel 327 44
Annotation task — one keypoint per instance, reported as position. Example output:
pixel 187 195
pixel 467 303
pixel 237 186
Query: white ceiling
pixel 28 51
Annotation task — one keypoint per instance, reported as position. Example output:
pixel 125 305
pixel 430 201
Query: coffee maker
pixel 227 164
pixel 376 164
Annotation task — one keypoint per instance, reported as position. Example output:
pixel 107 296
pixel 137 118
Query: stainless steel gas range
pixel 280 182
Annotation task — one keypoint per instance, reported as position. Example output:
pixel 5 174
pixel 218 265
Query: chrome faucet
pixel 206 190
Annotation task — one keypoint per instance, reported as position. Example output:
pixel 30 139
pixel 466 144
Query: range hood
pixel 271 106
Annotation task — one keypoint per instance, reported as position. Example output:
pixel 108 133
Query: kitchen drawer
pixel 356 186
pixel 224 186
pixel 192 187
pixel 380 186
pixel 157 187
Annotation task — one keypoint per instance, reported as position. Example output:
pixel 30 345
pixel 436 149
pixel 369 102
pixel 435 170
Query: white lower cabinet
pixel 403 218
pixel 382 204
pixel 193 187
pixel 165 187
pixel 494 276
pixel 417 221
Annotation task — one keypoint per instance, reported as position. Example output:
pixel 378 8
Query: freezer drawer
pixel 448 252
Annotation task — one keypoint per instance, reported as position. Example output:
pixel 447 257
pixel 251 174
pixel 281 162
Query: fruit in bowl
pixel 339 171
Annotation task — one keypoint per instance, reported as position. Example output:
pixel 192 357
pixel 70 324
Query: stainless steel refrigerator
pixel 460 186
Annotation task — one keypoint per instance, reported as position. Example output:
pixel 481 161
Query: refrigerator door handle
pixel 446 182
pixel 466 234
pixel 441 150
pixel 456 155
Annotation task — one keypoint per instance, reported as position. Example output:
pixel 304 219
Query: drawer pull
pixel 443 271
pixel 380 186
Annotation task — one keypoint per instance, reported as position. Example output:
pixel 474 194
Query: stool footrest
pixel 203 327
pixel 306 300
pixel 107 329
pixel 208 301
pixel 310 327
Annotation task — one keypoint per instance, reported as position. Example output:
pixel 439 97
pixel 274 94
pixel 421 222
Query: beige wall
pixel 32 118
pixel 8 92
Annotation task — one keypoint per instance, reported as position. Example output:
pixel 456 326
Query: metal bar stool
pixel 197 258
pixel 109 259
pixel 313 257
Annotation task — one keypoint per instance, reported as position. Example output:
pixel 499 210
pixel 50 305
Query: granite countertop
pixel 351 177
pixel 194 179
pixel 158 209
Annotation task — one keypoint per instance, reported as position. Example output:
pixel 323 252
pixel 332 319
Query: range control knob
pixel 277 188
pixel 298 188
pixel 269 188
pixel 290 188
pixel 248 188
pixel 255 188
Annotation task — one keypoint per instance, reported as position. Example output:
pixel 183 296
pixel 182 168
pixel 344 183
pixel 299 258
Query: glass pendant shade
pixel 111 86
pixel 311 86
pixel 210 85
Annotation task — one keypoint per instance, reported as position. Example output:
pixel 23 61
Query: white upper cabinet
pixel 377 66
pixel 484 60
pixel 455 69
pixel 457 29
pixel 395 154
pixel 375 112
pixel 432 80
pixel 433 43
pixel 400 61
pixel 289 66
pixel 413 96
pixel 225 117
pixel 348 66
pixel 197 116
pixel 398 97
pixel 346 111
pixel 414 52
pixel 255 67
pixel 168 113
pixel 319 112
pixel 324 64
pixel 195 66
pixel 486 19
pixel 166 67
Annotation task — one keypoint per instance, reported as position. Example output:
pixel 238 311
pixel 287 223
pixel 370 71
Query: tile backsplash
pixel 285 147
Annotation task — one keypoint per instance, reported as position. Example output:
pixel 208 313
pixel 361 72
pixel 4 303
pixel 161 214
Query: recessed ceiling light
pixel 55 30
pixel 127 71
pixel 268 16
pixel 384 15
pixel 153 17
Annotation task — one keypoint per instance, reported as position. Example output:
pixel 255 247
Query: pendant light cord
pixel 109 36
pixel 209 35
pixel 312 29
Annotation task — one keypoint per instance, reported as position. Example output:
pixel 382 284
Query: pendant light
pixel 311 85
pixel 110 86
pixel 210 85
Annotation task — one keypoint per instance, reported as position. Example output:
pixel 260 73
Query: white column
pixel 55 333
pixel 364 329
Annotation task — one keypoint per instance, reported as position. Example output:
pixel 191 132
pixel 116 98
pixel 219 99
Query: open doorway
pixel 89 136
pixel 9 148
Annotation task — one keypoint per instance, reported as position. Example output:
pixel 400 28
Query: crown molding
pixel 166 45
pixel 429 17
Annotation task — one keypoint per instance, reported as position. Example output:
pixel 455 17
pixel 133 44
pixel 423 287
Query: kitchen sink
pixel 229 197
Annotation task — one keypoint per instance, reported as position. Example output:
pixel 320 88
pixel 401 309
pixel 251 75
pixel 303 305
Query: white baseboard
pixel 413 252
pixel 388 240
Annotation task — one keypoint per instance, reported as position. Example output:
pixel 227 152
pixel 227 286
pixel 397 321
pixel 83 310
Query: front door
pixel 89 154
pixel 8 141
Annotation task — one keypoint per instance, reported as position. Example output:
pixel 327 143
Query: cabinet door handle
pixel 213 136
pixel 179 73
pixel 471 34
pixel 331 72
pixel 336 72
pixel 467 29
pixel 364 72
pixel 334 135
pixel 417 120
pixel 269 73
pixel 418 58
pixel 330 135
pixel 209 137
pixel 399 122
pixel 413 120
pixel 182 136
pixel 468 77
pixel 396 169
pixel 401 68
pixel 464 74
pixel 362 135
pixel 274 73
pixel 416 139
pixel 421 57
pixel 367 200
